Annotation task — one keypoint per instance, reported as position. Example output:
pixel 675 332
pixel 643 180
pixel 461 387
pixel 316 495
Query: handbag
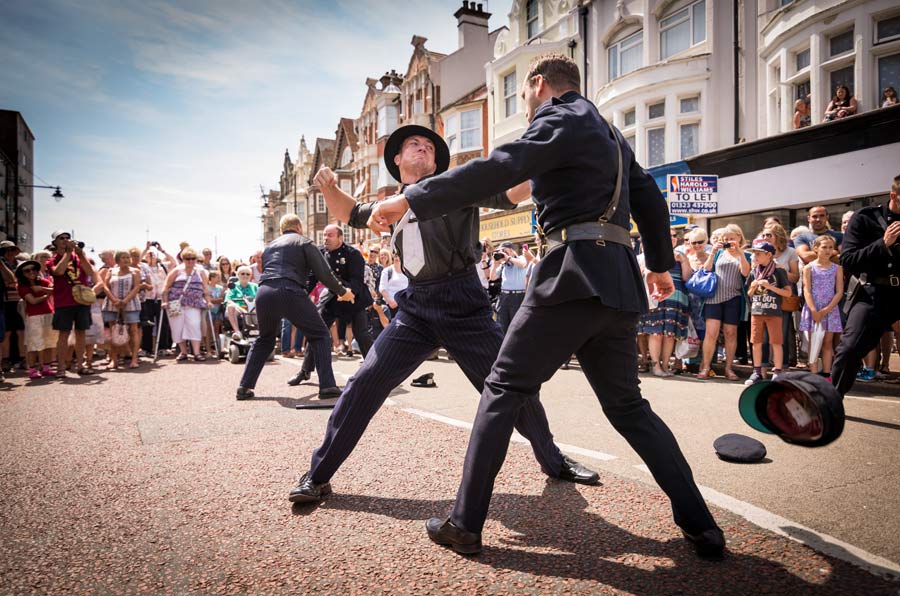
pixel 83 295
pixel 175 307
pixel 689 347
pixel 791 303
pixel 703 283
pixel 118 333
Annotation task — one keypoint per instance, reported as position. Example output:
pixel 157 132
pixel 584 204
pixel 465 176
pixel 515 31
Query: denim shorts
pixel 129 316
pixel 729 312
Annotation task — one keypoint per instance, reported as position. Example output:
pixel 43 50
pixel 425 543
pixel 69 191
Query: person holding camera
pixel 509 267
pixel 72 273
pixel 727 307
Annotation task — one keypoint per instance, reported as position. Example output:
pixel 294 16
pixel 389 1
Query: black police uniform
pixel 286 266
pixel 348 265
pixel 444 305
pixel 877 303
pixel 583 298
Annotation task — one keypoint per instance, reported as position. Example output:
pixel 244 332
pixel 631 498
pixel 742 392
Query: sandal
pixel 181 357
pixel 704 374
pixel 86 370
pixel 199 358
pixel 60 373
pixel 729 374
pixel 134 365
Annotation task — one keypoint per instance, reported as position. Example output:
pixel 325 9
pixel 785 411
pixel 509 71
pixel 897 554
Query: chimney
pixel 471 22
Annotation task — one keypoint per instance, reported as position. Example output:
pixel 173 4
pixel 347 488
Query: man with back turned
pixel 585 183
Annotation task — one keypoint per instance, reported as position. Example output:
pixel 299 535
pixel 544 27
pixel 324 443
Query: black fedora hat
pixel 395 143
pixel 800 407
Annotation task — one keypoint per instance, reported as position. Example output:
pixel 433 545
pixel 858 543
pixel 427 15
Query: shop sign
pixel 513 225
pixel 693 194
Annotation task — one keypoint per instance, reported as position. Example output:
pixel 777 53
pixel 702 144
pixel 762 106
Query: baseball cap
pixel 763 246
pixel 799 407
pixel 54 235
pixel 506 244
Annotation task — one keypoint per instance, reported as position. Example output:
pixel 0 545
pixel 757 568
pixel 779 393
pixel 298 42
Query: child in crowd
pixel 216 310
pixel 823 283
pixel 39 335
pixel 766 286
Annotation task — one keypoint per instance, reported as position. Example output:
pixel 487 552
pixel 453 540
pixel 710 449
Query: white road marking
pixel 896 402
pixel 766 520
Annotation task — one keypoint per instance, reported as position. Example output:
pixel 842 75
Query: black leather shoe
pixel 299 378
pixel 443 532
pixel 330 392
pixel 572 471
pixel 308 491
pixel 243 393
pixel 710 544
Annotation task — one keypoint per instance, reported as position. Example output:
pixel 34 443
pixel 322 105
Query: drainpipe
pixel 737 53
pixel 583 12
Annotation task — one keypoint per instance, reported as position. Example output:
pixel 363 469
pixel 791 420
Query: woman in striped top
pixel 726 308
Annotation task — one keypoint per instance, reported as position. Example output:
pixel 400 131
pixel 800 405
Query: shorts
pixel 66 316
pixel 129 316
pixel 758 326
pixel 14 320
pixel 39 333
pixel 217 315
pixel 729 312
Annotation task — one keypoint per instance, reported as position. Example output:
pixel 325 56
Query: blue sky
pixel 167 116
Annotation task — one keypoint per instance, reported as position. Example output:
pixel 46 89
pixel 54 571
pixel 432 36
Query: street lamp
pixel 57 193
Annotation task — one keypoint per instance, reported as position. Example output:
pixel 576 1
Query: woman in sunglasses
pixel 40 338
pixel 189 285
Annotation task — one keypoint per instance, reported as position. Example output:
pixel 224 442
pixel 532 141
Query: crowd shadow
pixel 555 536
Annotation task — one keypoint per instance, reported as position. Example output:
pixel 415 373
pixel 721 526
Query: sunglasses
pixel 29 270
pixel 189 259
pixel 244 274
pixel 699 243
pixel 767 235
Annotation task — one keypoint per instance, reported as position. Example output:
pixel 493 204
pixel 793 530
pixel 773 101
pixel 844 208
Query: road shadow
pixel 873 422
pixel 555 536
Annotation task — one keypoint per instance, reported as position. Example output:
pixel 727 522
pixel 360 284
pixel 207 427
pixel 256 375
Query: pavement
pixel 158 481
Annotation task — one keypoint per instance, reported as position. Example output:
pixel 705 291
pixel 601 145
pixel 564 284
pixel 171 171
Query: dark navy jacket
pixel 349 266
pixel 569 154
pixel 863 249
pixel 293 257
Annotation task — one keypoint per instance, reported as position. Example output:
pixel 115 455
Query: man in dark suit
pixel 585 182
pixel 444 305
pixel 286 265
pixel 349 266
pixel 871 252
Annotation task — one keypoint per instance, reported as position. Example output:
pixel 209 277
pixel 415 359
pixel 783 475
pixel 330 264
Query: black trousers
pixel 870 316
pixel 603 340
pixel 359 322
pixel 507 308
pixel 453 313
pixel 281 299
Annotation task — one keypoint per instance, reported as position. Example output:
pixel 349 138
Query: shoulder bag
pixel 703 283
pixel 175 307
pixel 118 333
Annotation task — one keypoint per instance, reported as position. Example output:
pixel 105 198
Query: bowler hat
pixel 395 143
pixel 800 407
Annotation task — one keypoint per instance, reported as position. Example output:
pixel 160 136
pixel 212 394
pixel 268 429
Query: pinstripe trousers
pixel 455 313
pixel 281 299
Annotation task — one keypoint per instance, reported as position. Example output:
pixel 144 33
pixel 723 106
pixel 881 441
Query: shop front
pixel 516 226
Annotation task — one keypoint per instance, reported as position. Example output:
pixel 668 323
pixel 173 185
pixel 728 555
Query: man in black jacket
pixel 585 182
pixel 286 266
pixel 444 305
pixel 870 252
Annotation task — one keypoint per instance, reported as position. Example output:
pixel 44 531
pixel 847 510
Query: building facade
pixel 16 180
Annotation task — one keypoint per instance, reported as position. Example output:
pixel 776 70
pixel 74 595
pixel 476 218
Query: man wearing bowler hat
pixel 444 305
pixel 586 182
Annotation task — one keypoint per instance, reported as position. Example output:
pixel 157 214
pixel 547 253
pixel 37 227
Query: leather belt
pixel 512 291
pixel 598 231
pixel 892 281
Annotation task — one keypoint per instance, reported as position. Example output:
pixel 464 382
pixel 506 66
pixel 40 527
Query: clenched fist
pixel 325 177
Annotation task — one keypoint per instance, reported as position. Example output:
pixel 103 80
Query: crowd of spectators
pixel 841 105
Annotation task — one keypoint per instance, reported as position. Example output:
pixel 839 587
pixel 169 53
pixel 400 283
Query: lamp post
pixel 57 193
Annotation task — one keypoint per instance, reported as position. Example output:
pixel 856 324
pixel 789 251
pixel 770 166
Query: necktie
pixel 413 254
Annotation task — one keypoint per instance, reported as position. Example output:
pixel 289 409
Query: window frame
pixel 689 11
pixel 624 45
pixel 876 41
pixel 478 144
pixel 647 132
pixel 831 36
pixel 681 126
pixel 507 96
pixel 534 20
pixel 661 102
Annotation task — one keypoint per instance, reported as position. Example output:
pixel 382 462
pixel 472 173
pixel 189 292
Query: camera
pixel 79 244
pixel 154 244
pixel 499 255
pixel 727 244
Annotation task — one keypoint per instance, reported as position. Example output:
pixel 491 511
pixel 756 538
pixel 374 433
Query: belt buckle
pixel 894 280
pixel 563 235
pixel 600 242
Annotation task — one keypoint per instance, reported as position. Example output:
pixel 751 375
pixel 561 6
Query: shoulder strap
pixel 614 202
pixel 880 217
